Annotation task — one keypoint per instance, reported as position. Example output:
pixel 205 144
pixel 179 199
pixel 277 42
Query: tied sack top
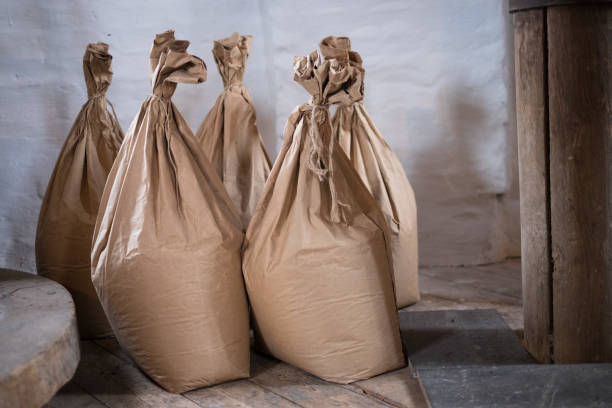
pixel 231 55
pixel 70 206
pixel 380 170
pixel 174 65
pixel 316 256
pixel 166 249
pixel 328 82
pixel 98 77
pixel 229 135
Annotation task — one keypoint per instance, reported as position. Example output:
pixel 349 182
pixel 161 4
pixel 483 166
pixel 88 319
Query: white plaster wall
pixel 438 85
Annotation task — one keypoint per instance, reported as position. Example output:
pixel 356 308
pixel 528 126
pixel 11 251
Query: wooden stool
pixel 39 344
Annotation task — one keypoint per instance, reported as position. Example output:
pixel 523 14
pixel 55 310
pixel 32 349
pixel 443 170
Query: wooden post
pixel 563 91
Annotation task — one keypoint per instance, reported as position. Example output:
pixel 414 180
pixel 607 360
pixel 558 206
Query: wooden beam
pixel 532 129
pixel 519 5
pixel 579 49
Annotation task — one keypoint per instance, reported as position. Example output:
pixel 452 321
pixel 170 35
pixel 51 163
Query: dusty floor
pixel 106 376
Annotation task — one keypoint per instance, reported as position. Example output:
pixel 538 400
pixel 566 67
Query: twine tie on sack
pixel 242 91
pixel 166 101
pixel 103 94
pixel 229 86
pixel 109 124
pixel 320 160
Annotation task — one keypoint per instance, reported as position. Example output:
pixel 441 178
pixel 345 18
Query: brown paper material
pixel 381 171
pixel 316 259
pixel 229 135
pixel 166 251
pixel 69 208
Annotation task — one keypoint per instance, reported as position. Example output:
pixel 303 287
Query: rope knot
pixel 229 86
pixel 320 160
pixel 98 95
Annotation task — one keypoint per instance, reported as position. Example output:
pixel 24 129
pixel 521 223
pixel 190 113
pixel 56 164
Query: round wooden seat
pixel 39 345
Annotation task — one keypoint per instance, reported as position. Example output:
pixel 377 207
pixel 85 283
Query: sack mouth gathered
pixel 231 56
pixel 97 69
pixel 171 64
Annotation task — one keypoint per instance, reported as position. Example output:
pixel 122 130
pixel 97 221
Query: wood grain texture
pixel 495 286
pixel 400 388
pixel 474 283
pixel 579 50
pixel 518 5
pixel 110 380
pixel 108 377
pixel 39 349
pixel 305 389
pixel 532 131
pixel 242 393
pixel 73 396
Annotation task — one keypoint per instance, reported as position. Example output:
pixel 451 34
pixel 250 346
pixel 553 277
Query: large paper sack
pixel 69 208
pixel 316 260
pixel 383 174
pixel 229 134
pixel 166 252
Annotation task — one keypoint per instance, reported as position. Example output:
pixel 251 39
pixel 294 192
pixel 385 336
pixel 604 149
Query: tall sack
pixel 229 135
pixel 166 251
pixel 69 208
pixel 316 258
pixel 382 172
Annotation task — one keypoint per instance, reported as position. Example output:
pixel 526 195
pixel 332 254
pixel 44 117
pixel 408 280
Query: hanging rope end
pixel 338 212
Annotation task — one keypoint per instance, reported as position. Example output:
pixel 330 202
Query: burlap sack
pixel 382 173
pixel 166 251
pixel 69 208
pixel 229 135
pixel 316 259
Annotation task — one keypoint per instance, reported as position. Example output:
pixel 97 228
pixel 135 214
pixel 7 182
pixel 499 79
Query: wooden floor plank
pixel 512 313
pixel 242 393
pixel 496 286
pixel 505 282
pixel 120 374
pixel 461 291
pixel 73 396
pixel 260 388
pixel 399 388
pixel 108 377
pixel 111 345
pixel 305 389
pixel 100 382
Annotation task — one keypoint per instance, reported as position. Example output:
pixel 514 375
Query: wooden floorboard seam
pixel 510 298
pixel 421 385
pixel 93 396
pixel 450 299
pixel 195 402
pixel 363 393
pixel 508 259
pixel 112 379
pixel 277 394
pixel 380 397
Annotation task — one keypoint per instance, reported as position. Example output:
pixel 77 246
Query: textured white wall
pixel 438 85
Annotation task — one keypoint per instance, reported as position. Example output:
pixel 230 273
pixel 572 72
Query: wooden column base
pixel 563 50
